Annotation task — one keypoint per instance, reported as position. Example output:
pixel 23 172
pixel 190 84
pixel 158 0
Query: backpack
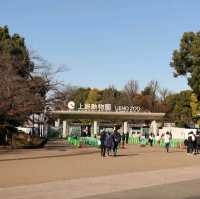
pixel 117 138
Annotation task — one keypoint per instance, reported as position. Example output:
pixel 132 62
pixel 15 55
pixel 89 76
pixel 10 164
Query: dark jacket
pixel 103 137
pixel 116 137
pixel 123 137
pixel 198 139
pixel 109 141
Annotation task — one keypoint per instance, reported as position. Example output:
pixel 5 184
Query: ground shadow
pixel 48 156
pixel 126 155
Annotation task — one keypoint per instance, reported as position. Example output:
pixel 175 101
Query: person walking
pixel 151 139
pixel 197 142
pixel 194 143
pixel 158 137
pixel 116 141
pixel 108 143
pixel 102 140
pixel 191 143
pixel 127 137
pixel 123 140
pixel 167 139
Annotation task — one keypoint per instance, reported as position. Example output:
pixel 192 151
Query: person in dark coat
pixel 127 137
pixel 116 141
pixel 190 143
pixel 109 143
pixel 103 146
pixel 194 143
pixel 123 139
pixel 197 147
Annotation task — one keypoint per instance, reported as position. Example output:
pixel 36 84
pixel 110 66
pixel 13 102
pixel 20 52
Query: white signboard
pixel 127 108
pixel 95 107
pixel 108 108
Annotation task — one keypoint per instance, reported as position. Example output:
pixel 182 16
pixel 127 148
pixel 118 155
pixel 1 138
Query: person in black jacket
pixel 116 141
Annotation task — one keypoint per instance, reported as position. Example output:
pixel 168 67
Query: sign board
pixel 103 107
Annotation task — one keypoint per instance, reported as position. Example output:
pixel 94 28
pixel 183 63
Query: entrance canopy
pixel 91 115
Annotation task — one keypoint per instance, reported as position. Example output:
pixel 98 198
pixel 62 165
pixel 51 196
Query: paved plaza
pixel 68 172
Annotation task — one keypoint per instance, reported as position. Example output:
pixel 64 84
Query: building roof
pixel 92 115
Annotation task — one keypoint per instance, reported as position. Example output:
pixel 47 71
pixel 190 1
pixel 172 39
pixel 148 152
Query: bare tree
pixel 62 96
pixel 154 88
pixel 21 97
pixel 164 92
pixel 131 89
pixel 17 96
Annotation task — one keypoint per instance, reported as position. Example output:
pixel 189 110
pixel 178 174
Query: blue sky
pixel 105 42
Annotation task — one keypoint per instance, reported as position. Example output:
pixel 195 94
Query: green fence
pixel 174 143
pixel 74 141
pixel 89 141
pixel 93 142
pixel 78 141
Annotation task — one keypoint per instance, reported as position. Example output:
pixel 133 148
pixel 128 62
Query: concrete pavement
pixel 81 173
pixel 95 186
pixel 181 190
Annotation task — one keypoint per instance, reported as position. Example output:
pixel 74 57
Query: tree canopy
pixel 180 109
pixel 186 60
pixel 13 47
pixel 21 92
